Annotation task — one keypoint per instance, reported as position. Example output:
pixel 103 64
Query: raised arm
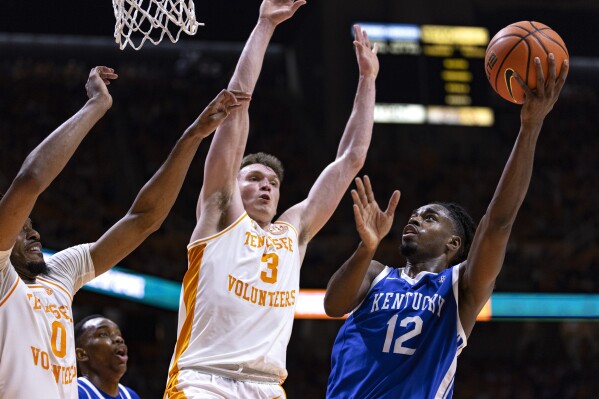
pixel 487 252
pixel 49 158
pixel 349 285
pixel 158 195
pixel 228 145
pixel 311 214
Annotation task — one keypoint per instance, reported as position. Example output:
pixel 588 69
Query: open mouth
pixel 122 351
pixel 410 229
pixel 35 248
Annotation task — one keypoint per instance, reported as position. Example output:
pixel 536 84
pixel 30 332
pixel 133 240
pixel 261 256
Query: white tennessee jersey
pixel 36 327
pixel 238 301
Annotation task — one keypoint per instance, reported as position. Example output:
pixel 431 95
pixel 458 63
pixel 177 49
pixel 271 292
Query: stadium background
pixel 298 112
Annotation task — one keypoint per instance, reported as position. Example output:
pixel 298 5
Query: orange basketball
pixel 514 48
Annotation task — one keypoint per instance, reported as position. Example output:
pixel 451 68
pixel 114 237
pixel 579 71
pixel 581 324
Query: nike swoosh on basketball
pixel 509 73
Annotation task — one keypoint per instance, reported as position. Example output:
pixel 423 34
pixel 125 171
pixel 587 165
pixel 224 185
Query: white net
pixel 141 20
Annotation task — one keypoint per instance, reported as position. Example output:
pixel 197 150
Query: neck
pixel 108 384
pixel 436 265
pixel 27 279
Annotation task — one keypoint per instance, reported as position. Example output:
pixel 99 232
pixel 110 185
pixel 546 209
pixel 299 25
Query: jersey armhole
pixel 455 275
pixel 384 273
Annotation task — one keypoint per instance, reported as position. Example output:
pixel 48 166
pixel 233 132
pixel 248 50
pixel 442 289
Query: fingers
pixel 361 37
pixel 105 73
pixel 357 33
pixel 358 216
pixel 540 75
pixel 361 192
pixel 241 96
pixel 393 201
pixel 368 186
pixel 563 74
pixel 296 5
pixel 552 67
pixel 524 86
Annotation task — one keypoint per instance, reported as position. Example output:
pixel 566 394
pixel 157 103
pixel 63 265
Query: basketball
pixel 513 49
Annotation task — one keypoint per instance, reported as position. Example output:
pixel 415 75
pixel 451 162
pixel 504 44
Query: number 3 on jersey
pixel 272 262
pixel 416 329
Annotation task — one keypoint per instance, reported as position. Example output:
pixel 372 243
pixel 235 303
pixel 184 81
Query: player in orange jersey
pixel 241 287
pixel 36 321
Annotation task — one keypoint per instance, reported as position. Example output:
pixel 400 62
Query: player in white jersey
pixel 409 325
pixel 36 321
pixel 240 291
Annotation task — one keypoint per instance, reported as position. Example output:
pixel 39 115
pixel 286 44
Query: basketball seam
pixel 507 56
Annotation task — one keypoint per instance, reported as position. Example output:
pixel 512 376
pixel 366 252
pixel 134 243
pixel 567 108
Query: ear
pixel 81 355
pixel 454 243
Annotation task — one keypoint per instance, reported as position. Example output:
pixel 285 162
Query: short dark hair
pixel 78 329
pixel 267 160
pixel 465 229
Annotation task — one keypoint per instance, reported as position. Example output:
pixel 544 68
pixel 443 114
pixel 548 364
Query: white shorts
pixel 193 384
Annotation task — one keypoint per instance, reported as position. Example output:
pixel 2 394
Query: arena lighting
pixel 154 291
pixel 431 74
pixel 433 114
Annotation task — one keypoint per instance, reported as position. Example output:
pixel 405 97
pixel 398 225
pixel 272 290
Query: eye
pixel 430 218
pixel 103 334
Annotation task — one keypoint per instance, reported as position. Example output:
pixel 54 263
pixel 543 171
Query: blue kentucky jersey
pixel 402 342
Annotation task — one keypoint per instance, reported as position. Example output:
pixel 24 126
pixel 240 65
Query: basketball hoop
pixel 138 22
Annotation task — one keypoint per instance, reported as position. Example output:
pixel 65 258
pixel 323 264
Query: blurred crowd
pixel 553 247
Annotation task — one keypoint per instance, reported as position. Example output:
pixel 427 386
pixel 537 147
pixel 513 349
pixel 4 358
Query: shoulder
pixel 82 391
pixel 376 268
pixel 77 253
pixel 131 392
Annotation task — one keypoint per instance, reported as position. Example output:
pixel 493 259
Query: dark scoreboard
pixel 431 74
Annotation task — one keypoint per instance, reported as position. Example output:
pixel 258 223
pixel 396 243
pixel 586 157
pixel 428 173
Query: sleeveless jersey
pixel 402 342
pixel 238 302
pixel 37 345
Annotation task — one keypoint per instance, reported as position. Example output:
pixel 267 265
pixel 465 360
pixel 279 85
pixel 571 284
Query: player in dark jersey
pixel 409 325
pixel 101 359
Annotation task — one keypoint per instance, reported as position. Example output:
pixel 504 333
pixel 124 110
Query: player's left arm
pixel 311 214
pixel 157 196
pixel 487 252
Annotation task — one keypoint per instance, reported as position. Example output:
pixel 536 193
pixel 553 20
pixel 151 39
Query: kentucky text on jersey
pixel 398 300
pixel 276 299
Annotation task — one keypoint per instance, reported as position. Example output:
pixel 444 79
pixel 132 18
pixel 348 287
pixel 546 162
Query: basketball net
pixel 137 22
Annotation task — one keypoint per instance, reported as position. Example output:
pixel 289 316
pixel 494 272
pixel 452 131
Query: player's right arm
pixel 219 203
pixel 350 284
pixel 49 158
pixel 487 252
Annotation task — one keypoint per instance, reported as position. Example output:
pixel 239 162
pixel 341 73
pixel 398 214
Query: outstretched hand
pixel 97 82
pixel 372 223
pixel 368 61
pixel 277 11
pixel 217 111
pixel 539 102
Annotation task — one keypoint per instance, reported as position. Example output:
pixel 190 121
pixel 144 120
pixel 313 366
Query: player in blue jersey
pixel 408 325
pixel 101 359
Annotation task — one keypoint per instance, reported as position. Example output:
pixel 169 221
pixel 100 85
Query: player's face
pixel 427 233
pixel 104 346
pixel 26 255
pixel 259 187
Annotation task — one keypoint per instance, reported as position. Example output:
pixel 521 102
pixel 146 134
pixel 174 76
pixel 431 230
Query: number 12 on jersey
pixel 414 325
